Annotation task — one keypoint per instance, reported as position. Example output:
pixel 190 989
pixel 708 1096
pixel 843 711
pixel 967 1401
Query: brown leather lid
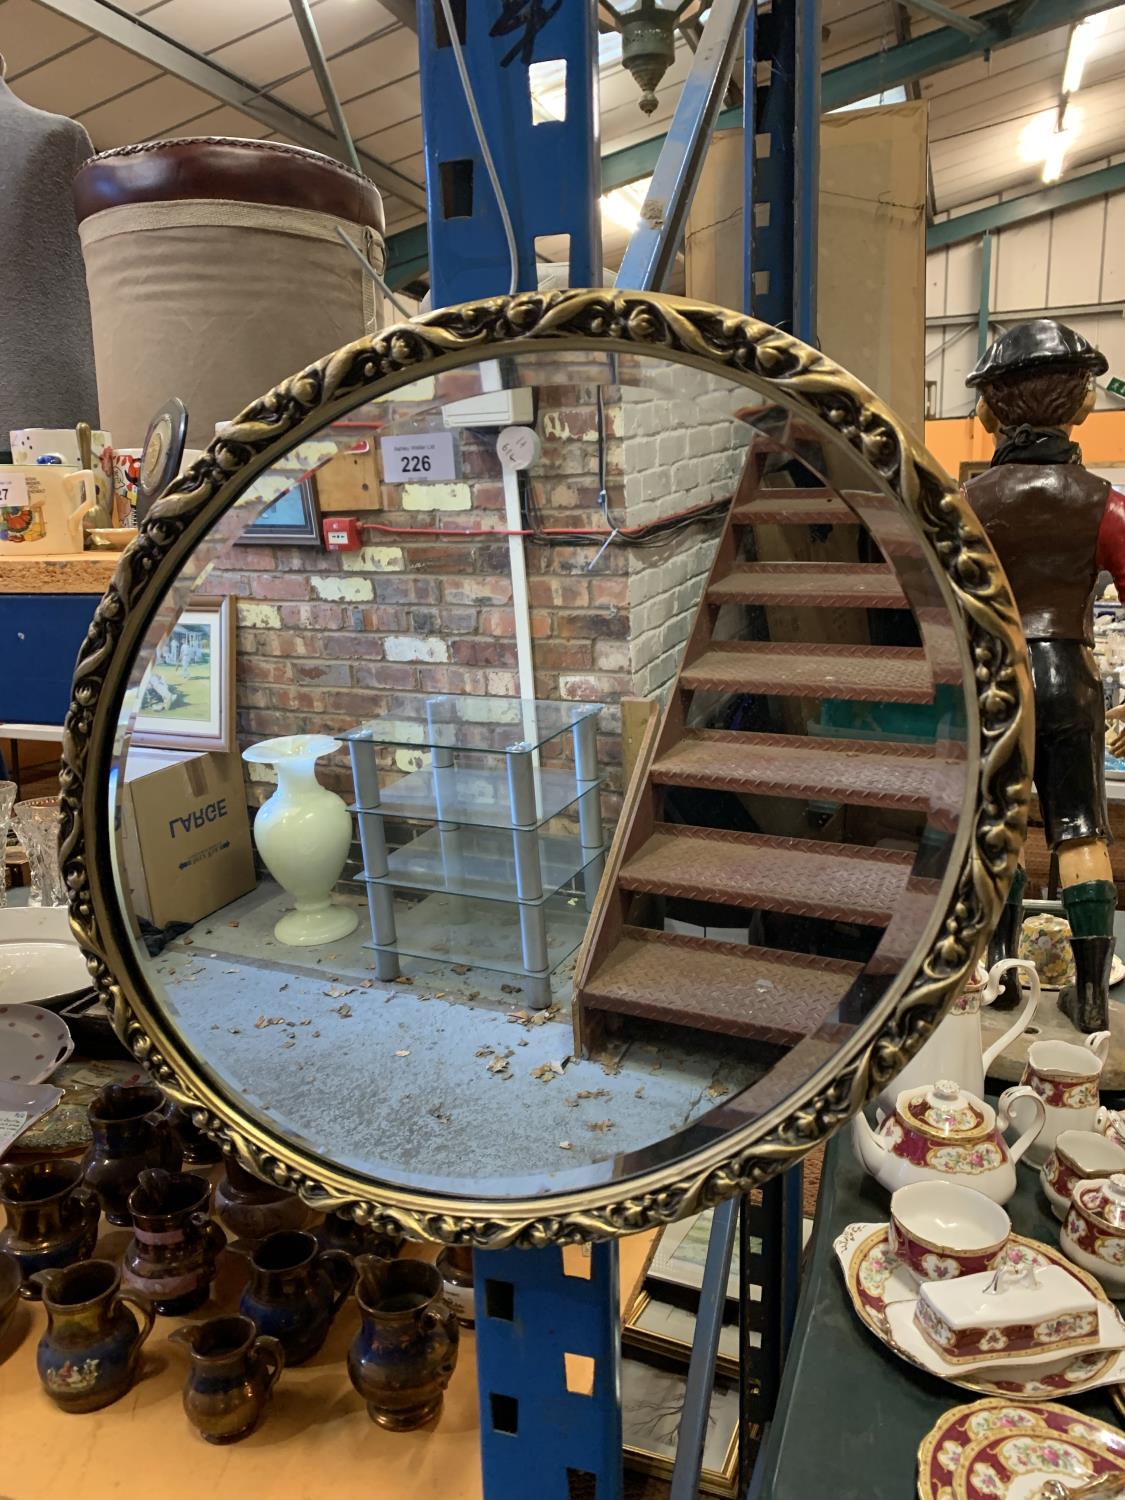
pixel 222 167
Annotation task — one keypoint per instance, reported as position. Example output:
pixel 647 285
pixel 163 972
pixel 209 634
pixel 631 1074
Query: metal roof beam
pixel 143 41
pixel 1028 206
pixel 946 47
pixel 952 18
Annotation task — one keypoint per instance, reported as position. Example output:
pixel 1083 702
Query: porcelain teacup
pixel 1077 1155
pixel 941 1230
pixel 1065 1076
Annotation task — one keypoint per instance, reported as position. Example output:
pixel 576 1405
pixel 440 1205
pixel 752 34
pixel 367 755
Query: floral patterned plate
pixel 875 1277
pixel 999 1450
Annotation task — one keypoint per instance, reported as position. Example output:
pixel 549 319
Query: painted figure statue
pixel 1055 527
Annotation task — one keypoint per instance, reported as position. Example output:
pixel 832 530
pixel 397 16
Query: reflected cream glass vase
pixel 303 834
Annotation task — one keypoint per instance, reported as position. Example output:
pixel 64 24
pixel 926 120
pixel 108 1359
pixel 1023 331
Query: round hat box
pixel 215 271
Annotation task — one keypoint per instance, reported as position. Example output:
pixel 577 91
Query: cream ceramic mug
pixel 1065 1076
pixel 41 508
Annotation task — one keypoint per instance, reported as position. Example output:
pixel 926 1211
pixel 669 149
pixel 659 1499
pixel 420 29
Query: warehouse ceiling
pixel 982 111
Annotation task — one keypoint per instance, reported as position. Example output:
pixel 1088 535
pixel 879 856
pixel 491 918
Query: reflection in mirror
pixel 388 919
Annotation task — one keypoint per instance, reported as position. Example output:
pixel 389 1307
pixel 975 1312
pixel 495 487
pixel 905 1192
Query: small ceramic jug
pixel 171 1257
pixel 251 1208
pixel 88 1356
pixel 337 1232
pixel 403 1356
pixel 130 1133
pixel 1065 1076
pixel 234 1369
pixel 52 1218
pixel 295 1291
pixel 197 1150
pixel 1077 1155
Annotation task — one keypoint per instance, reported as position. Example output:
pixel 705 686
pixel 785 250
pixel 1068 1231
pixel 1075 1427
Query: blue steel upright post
pixel 550 1425
pixel 781 153
pixel 550 172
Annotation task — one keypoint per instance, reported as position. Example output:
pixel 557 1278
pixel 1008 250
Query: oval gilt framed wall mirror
pixel 431 998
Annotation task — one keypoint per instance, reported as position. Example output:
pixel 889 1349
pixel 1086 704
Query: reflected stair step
pixel 881 674
pixel 761 994
pixel 802 877
pixel 795 508
pixel 909 778
pixel 831 585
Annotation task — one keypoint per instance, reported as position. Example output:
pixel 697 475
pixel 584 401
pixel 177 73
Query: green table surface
pixel 850 1414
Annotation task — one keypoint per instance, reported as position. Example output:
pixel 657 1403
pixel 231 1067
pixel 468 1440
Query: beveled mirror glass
pixel 437 993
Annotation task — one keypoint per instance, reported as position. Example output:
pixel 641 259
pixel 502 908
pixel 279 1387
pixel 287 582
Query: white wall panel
pixel 1113 267
pixel 936 269
pixel 962 283
pixel 1020 258
pixel 1076 256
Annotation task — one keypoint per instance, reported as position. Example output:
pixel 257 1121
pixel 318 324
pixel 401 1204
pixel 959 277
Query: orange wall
pixel 957 440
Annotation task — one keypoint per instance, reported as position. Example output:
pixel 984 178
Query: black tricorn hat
pixel 1041 344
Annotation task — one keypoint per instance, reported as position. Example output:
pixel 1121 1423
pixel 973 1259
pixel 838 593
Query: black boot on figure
pixel 1005 943
pixel 1086 1002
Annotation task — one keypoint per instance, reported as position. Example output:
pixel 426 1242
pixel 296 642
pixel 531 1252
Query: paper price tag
pixel 12 1122
pixel 13 490
pixel 418 457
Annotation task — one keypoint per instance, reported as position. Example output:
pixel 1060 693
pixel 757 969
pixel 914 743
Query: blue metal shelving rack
pixel 539 1434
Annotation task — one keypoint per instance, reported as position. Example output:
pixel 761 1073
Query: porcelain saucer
pixel 1000 1450
pixel 33 1043
pixel 875 1278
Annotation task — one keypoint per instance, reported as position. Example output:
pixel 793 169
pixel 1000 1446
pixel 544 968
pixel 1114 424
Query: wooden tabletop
pixel 315 1441
pixel 57 572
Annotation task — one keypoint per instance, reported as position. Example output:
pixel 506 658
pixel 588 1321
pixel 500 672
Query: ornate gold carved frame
pixel 999 732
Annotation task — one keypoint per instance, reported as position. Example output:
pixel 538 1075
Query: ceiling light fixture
pixel 1083 40
pixel 648 39
pixel 623 205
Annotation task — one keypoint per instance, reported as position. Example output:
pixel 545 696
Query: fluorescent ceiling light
pixel 623 205
pixel 1083 40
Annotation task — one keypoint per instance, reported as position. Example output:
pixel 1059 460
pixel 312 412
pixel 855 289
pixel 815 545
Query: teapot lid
pixel 1103 1200
pixel 944 1109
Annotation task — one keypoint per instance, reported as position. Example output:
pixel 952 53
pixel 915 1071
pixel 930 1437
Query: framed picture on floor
pixel 186 700
pixel 652 1404
pixel 293 520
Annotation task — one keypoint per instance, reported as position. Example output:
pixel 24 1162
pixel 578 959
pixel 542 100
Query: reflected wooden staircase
pixel 631 970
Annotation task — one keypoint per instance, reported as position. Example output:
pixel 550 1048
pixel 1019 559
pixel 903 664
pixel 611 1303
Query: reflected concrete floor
pixel 432 1077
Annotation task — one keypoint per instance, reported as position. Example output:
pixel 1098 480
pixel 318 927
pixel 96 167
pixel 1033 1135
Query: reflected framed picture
pixel 186 700
pixel 667 1328
pixel 293 520
pixel 652 1404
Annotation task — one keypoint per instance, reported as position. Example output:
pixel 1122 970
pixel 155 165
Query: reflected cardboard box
pixel 185 834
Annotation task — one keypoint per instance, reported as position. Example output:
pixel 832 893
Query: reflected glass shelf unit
pixel 503 857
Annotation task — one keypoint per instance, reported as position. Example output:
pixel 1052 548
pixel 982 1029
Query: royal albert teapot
pixel 956 1048
pixel 942 1132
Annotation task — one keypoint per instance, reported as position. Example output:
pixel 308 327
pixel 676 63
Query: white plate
pixel 33 1043
pixel 39 959
pixel 21 1104
pixel 910 1339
